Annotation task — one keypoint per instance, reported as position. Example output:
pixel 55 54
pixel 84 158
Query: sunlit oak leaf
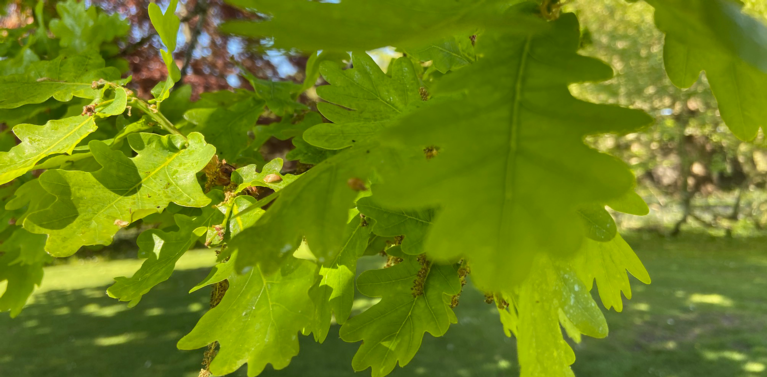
pixel 167 25
pixel 62 78
pixel 391 331
pixel 333 293
pixel 92 206
pixel 258 320
pixel 164 250
pixel 413 224
pixel 607 263
pixel 363 100
pixel 630 203
pixel 365 25
pixel 549 291
pixel 269 176
pixel 516 137
pixel 227 127
pixel 38 142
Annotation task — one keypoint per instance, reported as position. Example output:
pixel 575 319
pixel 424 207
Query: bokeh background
pixel 705 314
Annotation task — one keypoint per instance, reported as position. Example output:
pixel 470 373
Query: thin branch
pixel 201 10
pixel 157 116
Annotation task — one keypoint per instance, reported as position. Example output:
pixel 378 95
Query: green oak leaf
pixel 333 293
pixel 21 267
pixel 447 54
pixel 38 142
pixel 507 311
pixel 303 151
pixel 365 25
pixel 313 65
pixel 164 250
pixel 363 100
pixel 258 319
pixel 247 176
pixel 227 127
pixel 63 78
pixel 167 26
pixel 315 206
pixel 516 137
pixel 29 198
pixel 412 224
pixel 392 330
pixel 91 207
pixel 718 25
pixel 599 225
pixel 630 203
pixel 607 263
pixel 739 88
pixel 549 290
pixel 280 96
pixel 80 29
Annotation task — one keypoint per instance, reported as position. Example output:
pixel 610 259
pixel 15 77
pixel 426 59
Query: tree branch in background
pixel 201 12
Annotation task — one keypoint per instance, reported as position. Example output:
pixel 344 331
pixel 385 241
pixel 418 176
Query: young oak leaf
pixel 92 206
pixel 258 319
pixel 227 127
pixel 549 291
pixel 269 176
pixel 164 250
pixel 392 330
pixel 333 293
pixel 412 224
pixel 62 78
pixel 607 263
pixel 81 28
pixel 447 54
pixel 363 100
pixel 167 26
pixel 367 25
pixel 517 137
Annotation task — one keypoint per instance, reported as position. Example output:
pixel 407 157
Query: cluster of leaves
pixel 464 159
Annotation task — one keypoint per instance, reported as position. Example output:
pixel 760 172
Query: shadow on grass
pixel 700 317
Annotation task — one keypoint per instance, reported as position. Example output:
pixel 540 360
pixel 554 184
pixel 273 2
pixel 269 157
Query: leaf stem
pixel 156 116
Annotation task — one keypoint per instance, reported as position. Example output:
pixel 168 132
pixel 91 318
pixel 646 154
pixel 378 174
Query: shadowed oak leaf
pixel 164 250
pixel 91 207
pixel 333 293
pixel 516 138
pixel 363 100
pixel 365 25
pixel 316 205
pixel 227 127
pixel 391 331
pixel 412 224
pixel 167 25
pixel 258 320
pixel 731 47
pixel 21 267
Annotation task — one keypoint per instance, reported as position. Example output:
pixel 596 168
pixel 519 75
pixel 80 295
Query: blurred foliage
pixel 691 168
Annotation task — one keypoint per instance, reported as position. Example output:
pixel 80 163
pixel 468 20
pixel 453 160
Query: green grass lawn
pixel 704 315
